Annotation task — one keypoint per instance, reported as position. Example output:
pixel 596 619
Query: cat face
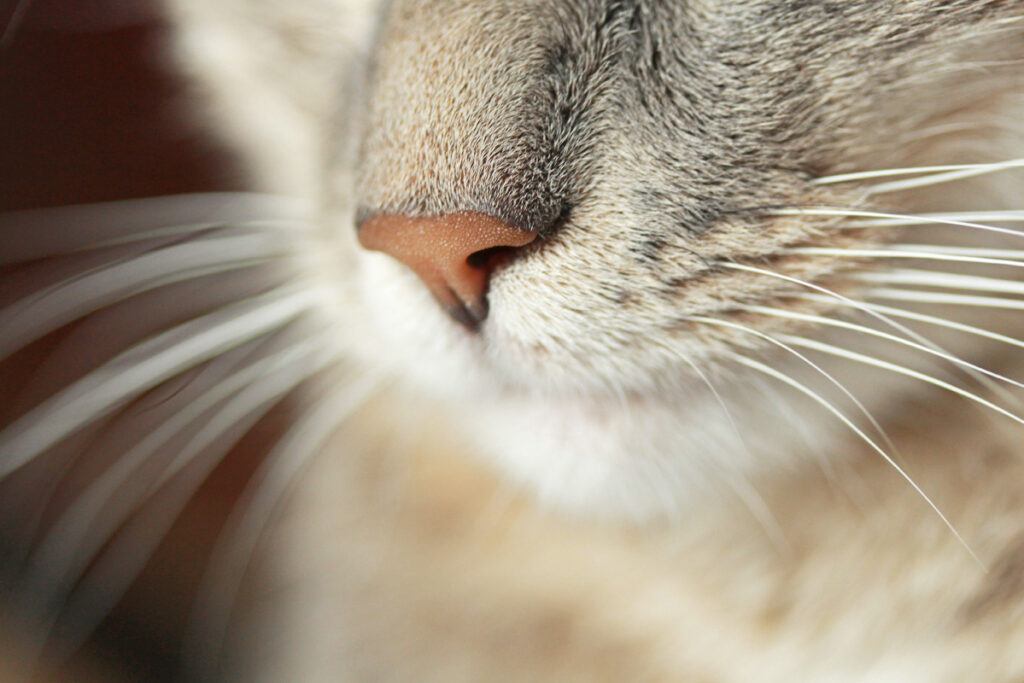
pixel 669 158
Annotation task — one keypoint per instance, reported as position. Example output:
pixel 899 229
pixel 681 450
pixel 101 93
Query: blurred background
pixel 91 111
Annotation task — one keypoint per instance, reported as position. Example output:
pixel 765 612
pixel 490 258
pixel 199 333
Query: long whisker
pixel 935 219
pixel 980 217
pixel 930 278
pixel 145 366
pixel 881 317
pixel 933 175
pixel 907 251
pixel 833 295
pixel 798 423
pixel 110 576
pixel 930 319
pixel 924 318
pixel 817 368
pixel 237 542
pixel 744 489
pixel 771 372
pixel 134 425
pixel 945 298
pixel 899 369
pixel 62 554
pixel 42 233
pixel 833 322
pixel 976 252
pixel 47 310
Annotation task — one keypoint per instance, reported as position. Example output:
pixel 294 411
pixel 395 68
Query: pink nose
pixel 454 255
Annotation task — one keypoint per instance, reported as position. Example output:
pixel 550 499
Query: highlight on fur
pixel 753 392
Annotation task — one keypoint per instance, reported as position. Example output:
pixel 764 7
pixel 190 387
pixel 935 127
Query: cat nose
pixel 454 254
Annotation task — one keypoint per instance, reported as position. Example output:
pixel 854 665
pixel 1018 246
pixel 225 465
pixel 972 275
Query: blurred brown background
pixel 90 111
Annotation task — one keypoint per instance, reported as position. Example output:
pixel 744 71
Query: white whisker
pixel 33 317
pixel 899 369
pixel 945 298
pixel 922 252
pixel 743 488
pixel 930 278
pixel 933 219
pixel 237 543
pixel 105 582
pixel 924 318
pixel 881 317
pixel 953 217
pixel 832 322
pixel 42 233
pixel 817 368
pixel 836 296
pixel 62 554
pixel 976 252
pixel 933 175
pixel 771 372
pixel 146 365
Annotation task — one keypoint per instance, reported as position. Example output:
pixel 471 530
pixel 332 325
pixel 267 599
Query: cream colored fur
pixel 636 524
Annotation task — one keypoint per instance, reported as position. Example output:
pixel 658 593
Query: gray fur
pixel 701 490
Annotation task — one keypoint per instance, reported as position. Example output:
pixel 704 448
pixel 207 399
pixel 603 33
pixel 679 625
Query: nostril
pixel 454 255
pixel 489 259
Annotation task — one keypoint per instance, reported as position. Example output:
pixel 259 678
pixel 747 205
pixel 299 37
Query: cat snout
pixel 454 255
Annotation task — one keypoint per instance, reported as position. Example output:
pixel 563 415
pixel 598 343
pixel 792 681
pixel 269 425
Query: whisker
pixel 817 368
pixel 978 252
pixel 54 559
pixel 743 488
pixel 922 252
pixel 930 278
pixel 146 365
pixel 833 322
pixel 40 233
pixel 945 298
pixel 771 372
pixel 899 369
pixel 798 422
pixel 33 317
pixel 832 295
pixel 74 615
pixel 118 434
pixel 935 219
pixel 953 216
pixel 924 318
pixel 934 175
pixel 881 317
pixel 237 542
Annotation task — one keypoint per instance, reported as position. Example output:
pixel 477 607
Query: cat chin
pixel 633 460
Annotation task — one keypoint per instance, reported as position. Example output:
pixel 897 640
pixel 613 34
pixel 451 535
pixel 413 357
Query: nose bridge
pixel 456 170
pixel 458 116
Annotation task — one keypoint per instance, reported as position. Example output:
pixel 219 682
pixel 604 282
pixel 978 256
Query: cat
pixel 634 340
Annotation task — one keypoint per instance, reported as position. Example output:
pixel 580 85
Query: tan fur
pixel 592 488
pixel 427 568
pixel 444 576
